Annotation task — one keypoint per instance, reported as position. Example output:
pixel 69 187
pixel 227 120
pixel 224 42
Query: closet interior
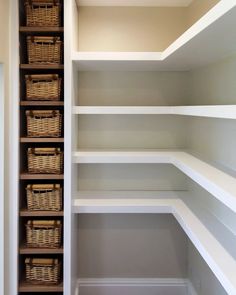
pixel 148 135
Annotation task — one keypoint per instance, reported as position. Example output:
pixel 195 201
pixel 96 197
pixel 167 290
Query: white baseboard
pixel 134 286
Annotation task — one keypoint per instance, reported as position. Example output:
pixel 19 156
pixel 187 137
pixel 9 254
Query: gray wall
pixel 215 141
pixel 131 245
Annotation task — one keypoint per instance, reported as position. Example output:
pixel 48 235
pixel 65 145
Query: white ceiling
pixel 148 3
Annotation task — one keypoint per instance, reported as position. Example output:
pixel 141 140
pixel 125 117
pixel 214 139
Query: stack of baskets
pixel 40 123
pixel 43 271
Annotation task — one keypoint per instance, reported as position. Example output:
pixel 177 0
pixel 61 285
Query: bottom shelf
pixel 29 288
pixel 215 255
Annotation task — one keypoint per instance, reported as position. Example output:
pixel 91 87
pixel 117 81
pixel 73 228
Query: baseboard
pixel 134 286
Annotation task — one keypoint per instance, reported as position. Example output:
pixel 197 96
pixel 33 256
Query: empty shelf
pixel 218 183
pixel 212 111
pixel 202 37
pixel 218 259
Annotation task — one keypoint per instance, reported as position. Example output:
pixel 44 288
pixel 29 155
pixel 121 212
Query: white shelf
pixel 221 185
pixel 199 45
pixel 218 259
pixel 213 111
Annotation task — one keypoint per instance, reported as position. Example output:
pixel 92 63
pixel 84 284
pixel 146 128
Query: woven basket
pixel 43 233
pixel 44 197
pixel 45 160
pixel 43 123
pixel 43 87
pixel 43 271
pixel 44 50
pixel 43 13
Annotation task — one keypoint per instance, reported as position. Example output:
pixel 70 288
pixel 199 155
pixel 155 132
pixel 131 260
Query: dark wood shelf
pixel 27 213
pixel 25 250
pixel 41 139
pixel 41 103
pixel 24 29
pixel 27 287
pixel 41 67
pixel 29 176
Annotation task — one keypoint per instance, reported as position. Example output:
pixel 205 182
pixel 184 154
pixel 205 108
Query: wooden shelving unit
pixel 25 142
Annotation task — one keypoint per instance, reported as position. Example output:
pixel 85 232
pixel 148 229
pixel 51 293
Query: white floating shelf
pixel 217 258
pixel 221 185
pixel 215 111
pixel 199 45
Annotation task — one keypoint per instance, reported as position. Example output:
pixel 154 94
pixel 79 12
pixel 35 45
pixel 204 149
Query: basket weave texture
pixel 44 197
pixel 43 87
pixel 45 160
pixel 42 271
pixel 43 123
pixel 43 233
pixel 44 50
pixel 43 13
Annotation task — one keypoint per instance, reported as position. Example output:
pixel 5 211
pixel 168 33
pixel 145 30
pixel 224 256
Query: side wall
pixel 4 61
pixel 215 141
pixel 198 8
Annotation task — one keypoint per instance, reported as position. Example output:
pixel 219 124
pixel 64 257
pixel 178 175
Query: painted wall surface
pixel 129 28
pixel 131 246
pixel 132 88
pixel 4 61
pixel 198 8
pixel 214 140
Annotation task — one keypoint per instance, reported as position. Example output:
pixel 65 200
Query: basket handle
pixel 55 39
pixel 35 4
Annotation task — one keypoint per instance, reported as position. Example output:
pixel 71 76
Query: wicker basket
pixel 43 13
pixel 43 123
pixel 43 271
pixel 43 234
pixel 44 50
pixel 44 197
pixel 45 160
pixel 43 87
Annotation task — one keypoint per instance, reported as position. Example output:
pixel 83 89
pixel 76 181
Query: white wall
pixel 2 185
pixel 202 278
pixel 4 91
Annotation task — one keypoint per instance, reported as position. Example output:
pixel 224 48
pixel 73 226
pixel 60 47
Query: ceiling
pixel 150 3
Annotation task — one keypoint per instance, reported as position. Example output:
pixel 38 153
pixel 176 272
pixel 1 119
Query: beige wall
pixel 198 8
pixel 129 28
pixel 136 28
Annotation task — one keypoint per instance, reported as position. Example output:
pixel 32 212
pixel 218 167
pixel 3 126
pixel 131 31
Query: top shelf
pixel 208 40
